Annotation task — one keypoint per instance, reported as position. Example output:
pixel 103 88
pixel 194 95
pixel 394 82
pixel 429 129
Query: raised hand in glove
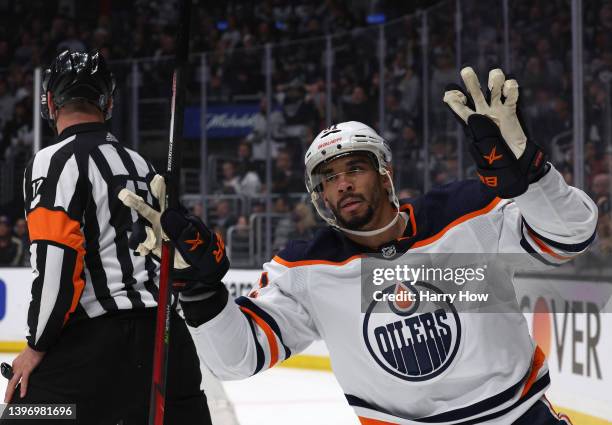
pixel 202 249
pixel 199 261
pixel 507 160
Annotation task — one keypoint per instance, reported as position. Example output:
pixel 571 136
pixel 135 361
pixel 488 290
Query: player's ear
pixel 386 181
pixel 51 105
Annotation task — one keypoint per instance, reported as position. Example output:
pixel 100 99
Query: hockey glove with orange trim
pixel 202 249
pixel 199 261
pixel 506 159
pixel 201 292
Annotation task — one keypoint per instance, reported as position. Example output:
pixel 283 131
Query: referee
pixel 91 318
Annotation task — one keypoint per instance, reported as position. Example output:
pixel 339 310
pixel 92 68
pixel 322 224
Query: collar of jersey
pixel 87 127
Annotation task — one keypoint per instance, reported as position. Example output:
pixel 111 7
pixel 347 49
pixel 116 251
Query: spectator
pixel 410 88
pixel 408 192
pixel 238 243
pixel 258 206
pixel 246 68
pixel 285 178
pixel 23 53
pixel 561 121
pixel 394 119
pixel 21 232
pixel 198 210
pixel 601 187
pixel 230 181
pixel 72 41
pixel 554 67
pixel 317 96
pixel 304 222
pixel 358 107
pixel 245 160
pixel 533 77
pixel 568 175
pixel 224 218
pixel 444 73
pixel 7 103
pixel 247 184
pixel 5 56
pixel 284 226
pixel 409 161
pixel 601 250
pixel 231 36
pixel 260 130
pixel 299 116
pixel 596 110
pixel 11 249
pixel 18 132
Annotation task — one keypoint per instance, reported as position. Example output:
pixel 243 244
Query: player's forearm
pixel 558 211
pixel 225 343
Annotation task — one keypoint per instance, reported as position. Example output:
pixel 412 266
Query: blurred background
pixel 265 77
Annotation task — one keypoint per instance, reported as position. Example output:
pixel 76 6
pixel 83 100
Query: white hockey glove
pixel 507 160
pixel 153 233
pixel 200 261
pixel 503 114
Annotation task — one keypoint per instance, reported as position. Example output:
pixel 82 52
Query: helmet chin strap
pixel 372 232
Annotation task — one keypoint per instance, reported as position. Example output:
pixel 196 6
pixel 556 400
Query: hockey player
pixel 407 367
pixel 92 314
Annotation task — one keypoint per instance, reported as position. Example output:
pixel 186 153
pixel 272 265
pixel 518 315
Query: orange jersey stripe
pixel 412 219
pixel 77 282
pixel 536 365
pixel 547 249
pixel 58 227
pixel 263 280
pixel 456 222
pixel 368 421
pixel 312 262
pixel 269 334
pixel 55 226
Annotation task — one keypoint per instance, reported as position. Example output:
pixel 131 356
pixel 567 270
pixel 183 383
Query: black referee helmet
pixel 78 76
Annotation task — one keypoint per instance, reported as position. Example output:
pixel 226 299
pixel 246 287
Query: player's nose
pixel 344 184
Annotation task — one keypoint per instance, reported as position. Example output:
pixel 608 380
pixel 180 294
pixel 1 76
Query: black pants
pixel 541 413
pixel 104 366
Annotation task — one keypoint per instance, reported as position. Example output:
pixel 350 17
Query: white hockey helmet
pixel 339 140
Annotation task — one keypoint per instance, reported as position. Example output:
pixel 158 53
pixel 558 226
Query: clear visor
pixel 328 175
pixel 331 173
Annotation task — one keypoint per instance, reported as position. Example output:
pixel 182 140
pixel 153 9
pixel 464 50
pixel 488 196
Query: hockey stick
pixel 164 304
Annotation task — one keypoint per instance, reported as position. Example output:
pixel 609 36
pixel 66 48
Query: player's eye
pixel 331 178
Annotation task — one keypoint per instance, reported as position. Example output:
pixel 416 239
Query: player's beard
pixel 357 222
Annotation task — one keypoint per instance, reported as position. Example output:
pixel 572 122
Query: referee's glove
pixel 199 260
pixel 507 160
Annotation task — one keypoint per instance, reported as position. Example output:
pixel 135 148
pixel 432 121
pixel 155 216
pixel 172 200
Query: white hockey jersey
pixel 418 369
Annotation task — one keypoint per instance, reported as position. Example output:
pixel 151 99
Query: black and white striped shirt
pixel 82 265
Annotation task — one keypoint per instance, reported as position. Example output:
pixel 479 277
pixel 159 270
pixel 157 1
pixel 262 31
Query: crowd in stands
pixel 233 34
pixel 14 242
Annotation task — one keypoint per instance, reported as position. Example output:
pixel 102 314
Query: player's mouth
pixel 350 204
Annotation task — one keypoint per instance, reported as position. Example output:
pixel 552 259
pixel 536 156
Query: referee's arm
pixel 57 247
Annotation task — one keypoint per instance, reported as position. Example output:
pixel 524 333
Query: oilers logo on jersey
pixel 418 339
